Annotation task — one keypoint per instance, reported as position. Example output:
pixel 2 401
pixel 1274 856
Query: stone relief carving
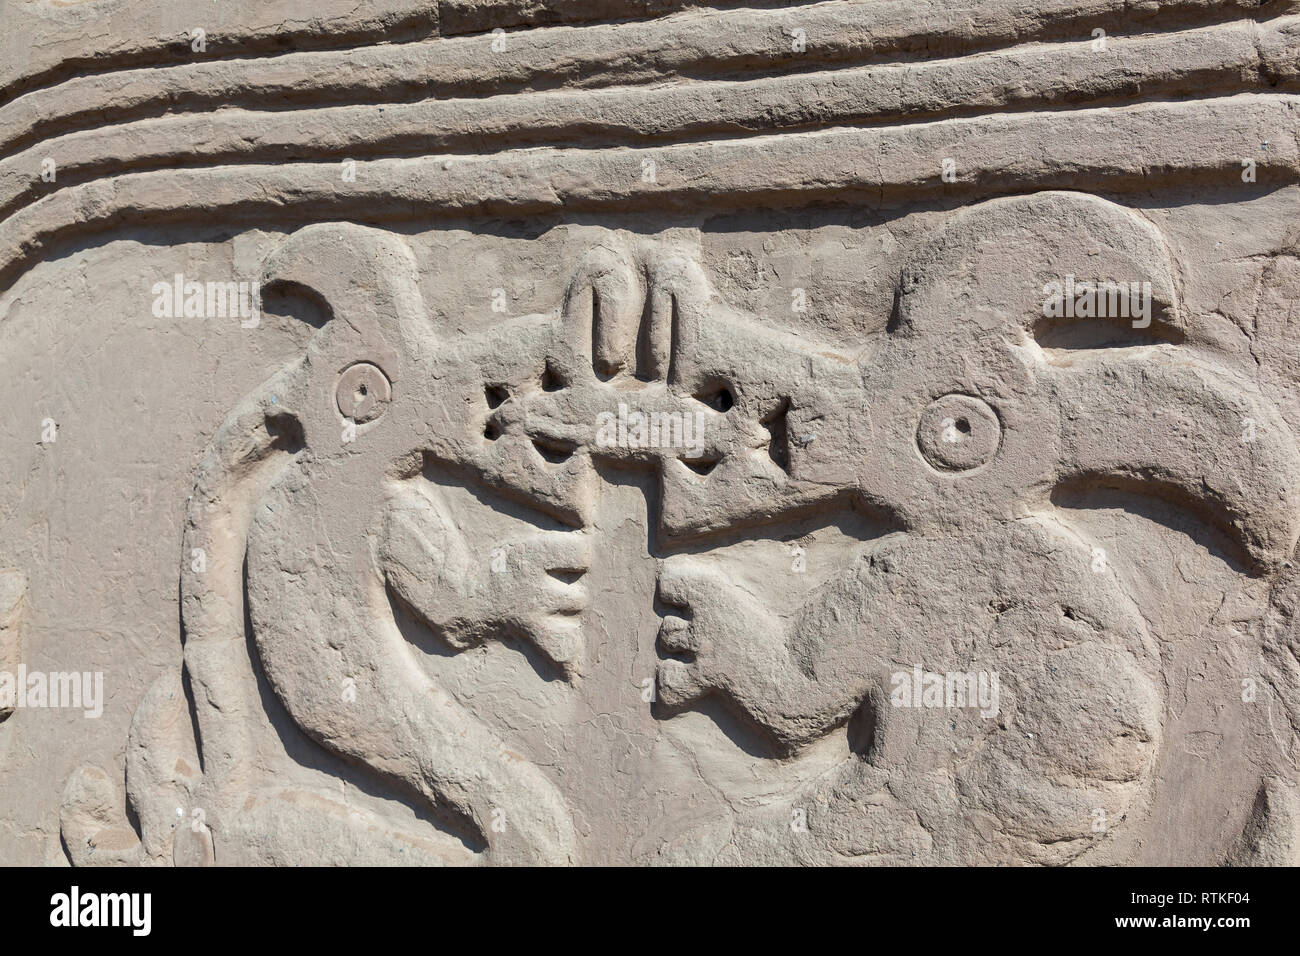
pixel 647 571
pixel 319 511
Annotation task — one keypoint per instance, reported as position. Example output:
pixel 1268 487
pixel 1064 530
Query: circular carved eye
pixel 363 392
pixel 958 433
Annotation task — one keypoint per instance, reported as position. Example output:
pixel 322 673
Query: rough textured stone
pixel 634 431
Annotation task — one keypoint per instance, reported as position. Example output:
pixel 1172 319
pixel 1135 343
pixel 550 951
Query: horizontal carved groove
pixel 398 22
pixel 1219 60
pixel 476 16
pixel 175 52
pixel 1134 147
pixel 694 45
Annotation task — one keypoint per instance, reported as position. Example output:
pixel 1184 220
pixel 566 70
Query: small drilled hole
pixel 701 466
pixel 492 432
pixel 963 426
pixel 567 575
pixel 722 400
pixel 555 452
pixel 552 381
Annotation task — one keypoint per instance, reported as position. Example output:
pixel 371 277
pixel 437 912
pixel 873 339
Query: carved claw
pixel 163 780
pixel 526 587
pixel 734 644
pixel 651 375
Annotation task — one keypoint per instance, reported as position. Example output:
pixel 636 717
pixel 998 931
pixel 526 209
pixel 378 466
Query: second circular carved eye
pixel 363 392
pixel 958 433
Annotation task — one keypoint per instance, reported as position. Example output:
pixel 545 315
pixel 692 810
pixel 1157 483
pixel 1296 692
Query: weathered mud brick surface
pixel 634 431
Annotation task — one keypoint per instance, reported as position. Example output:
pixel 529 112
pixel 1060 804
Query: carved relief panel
pixel 818 435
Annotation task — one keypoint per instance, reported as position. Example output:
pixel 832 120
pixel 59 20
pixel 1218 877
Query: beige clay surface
pixel 646 432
